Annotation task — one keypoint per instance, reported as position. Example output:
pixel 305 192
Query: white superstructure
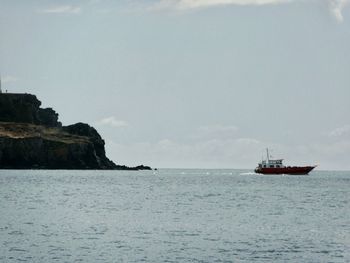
pixel 271 163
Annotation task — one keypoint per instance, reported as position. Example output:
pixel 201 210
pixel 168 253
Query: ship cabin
pixel 271 164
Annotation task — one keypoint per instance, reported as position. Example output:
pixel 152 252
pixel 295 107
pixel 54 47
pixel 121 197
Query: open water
pixel 173 216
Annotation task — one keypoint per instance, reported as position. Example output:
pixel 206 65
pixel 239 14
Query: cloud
pixel 338 132
pixel 230 153
pixel 248 141
pixel 64 9
pixel 211 153
pixel 112 122
pixel 336 6
pixel 216 132
pixel 8 78
pixel 191 4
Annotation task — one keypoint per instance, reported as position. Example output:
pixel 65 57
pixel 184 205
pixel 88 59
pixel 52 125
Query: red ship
pixel 270 166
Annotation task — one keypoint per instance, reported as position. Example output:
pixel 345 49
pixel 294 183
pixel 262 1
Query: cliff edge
pixel 32 138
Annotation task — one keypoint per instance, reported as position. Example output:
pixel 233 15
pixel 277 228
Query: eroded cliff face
pixel 25 108
pixel 32 138
pixel 27 146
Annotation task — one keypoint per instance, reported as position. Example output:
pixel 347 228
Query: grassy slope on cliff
pixel 26 130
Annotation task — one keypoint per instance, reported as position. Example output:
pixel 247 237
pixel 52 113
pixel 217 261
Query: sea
pixel 173 215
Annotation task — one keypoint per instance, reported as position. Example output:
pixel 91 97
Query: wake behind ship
pixel 275 166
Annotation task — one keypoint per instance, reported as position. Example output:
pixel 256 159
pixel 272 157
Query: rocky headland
pixel 32 138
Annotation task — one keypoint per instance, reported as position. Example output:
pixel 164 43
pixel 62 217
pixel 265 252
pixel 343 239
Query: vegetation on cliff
pixel 33 138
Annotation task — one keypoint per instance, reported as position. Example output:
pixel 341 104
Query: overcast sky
pixel 190 83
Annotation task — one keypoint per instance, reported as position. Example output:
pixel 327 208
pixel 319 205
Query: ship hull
pixel 295 170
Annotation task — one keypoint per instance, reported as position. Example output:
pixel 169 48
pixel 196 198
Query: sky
pixel 190 83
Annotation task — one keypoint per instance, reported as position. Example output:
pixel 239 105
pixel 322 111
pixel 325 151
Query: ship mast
pixel 0 84
pixel 267 155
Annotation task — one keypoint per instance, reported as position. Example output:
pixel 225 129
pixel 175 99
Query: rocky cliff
pixel 25 108
pixel 33 138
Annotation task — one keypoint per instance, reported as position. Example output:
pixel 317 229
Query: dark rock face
pixel 48 117
pixel 40 153
pixel 25 108
pixel 136 168
pixel 83 129
pixel 32 138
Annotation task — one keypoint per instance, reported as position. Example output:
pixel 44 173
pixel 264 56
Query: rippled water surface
pixel 173 216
